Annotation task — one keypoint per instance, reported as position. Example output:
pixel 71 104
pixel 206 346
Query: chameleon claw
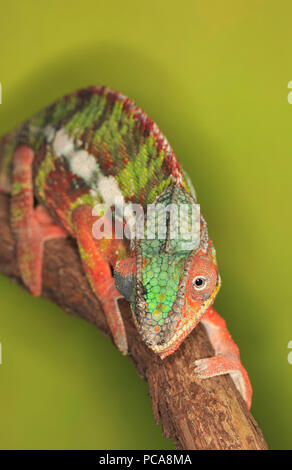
pixel 122 344
pixel 219 364
pixel 200 366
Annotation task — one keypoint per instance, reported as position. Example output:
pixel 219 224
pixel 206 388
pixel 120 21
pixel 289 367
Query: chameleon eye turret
pixel 200 282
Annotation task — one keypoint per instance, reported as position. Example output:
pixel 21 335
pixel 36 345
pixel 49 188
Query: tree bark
pixel 196 414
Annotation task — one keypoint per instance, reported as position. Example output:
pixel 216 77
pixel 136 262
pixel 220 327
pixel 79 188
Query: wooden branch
pixel 196 414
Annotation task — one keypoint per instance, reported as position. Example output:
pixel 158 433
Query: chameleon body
pixel 95 146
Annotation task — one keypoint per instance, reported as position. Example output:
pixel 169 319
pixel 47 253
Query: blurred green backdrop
pixel 214 76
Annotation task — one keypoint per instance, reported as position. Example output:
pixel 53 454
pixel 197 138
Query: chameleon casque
pixel 89 147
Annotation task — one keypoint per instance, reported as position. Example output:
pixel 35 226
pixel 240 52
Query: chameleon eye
pixel 199 282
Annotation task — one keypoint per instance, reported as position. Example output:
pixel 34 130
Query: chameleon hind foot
pixel 226 359
pixel 31 226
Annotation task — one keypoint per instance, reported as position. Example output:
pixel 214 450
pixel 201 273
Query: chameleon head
pixel 174 299
pixel 171 289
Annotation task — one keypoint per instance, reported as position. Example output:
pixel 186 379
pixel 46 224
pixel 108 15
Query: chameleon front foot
pixel 222 364
pixel 226 359
pixel 96 256
pixel 113 316
pixel 216 365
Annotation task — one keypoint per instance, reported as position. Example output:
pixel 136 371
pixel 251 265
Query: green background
pixel 214 76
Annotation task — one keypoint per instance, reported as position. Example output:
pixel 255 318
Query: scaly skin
pixel 90 147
